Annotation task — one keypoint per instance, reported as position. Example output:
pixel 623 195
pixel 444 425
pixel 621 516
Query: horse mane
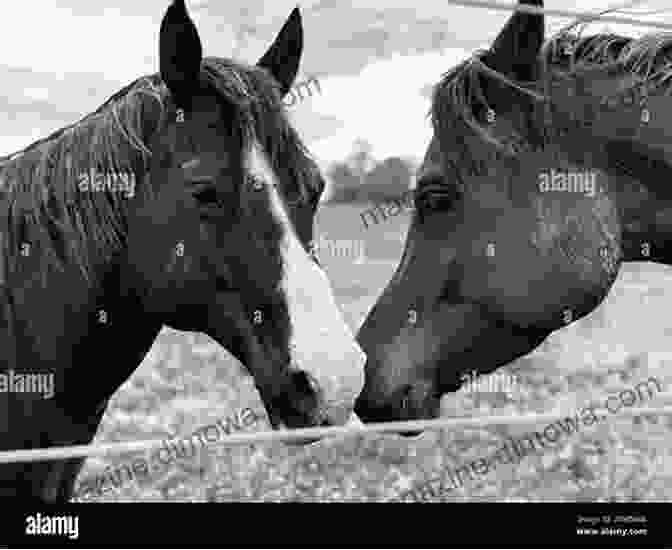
pixel 39 184
pixel 459 98
pixel 649 57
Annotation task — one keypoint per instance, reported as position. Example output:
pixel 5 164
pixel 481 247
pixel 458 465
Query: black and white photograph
pixel 324 251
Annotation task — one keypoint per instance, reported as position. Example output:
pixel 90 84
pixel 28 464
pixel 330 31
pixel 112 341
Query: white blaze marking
pixel 322 343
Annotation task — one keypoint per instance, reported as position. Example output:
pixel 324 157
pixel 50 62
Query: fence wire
pixel 303 434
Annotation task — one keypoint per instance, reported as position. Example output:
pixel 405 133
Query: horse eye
pixel 255 182
pixel 313 252
pixel 436 198
pixel 433 193
pixel 207 194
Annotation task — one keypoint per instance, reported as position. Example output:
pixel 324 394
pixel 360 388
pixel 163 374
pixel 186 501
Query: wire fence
pixel 554 12
pixel 303 434
pixel 309 434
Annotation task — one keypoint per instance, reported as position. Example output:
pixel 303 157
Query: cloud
pixel 106 41
pixel 383 104
pixel 67 56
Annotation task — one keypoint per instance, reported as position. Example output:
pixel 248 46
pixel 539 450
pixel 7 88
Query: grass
pixel 187 382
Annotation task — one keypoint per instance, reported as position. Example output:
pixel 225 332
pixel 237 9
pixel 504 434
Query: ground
pixel 187 382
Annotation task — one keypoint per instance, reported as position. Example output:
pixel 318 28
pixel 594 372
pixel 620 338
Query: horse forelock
pixel 455 122
pixel 261 118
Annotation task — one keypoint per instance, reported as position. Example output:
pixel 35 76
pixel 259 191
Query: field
pixel 187 382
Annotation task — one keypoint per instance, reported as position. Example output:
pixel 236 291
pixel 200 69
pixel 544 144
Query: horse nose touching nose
pixel 342 388
pixel 334 363
pixel 410 402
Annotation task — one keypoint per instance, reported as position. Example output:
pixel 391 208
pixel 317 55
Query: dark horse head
pixel 536 185
pixel 187 199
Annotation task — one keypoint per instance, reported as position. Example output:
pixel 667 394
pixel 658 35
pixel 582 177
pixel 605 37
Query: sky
pixel 61 60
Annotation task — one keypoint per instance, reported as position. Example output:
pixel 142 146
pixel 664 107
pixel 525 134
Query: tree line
pixel 359 178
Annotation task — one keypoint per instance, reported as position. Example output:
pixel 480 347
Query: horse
pixel 187 199
pixel 547 168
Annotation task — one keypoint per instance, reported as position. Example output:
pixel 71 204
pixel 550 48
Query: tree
pixel 361 162
pixel 360 159
pixel 345 183
pixel 389 179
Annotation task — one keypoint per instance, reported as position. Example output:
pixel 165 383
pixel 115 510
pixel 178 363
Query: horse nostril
pixel 405 397
pixel 304 383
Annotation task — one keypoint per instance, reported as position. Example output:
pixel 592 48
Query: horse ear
pixel 180 53
pixel 283 57
pixel 515 51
